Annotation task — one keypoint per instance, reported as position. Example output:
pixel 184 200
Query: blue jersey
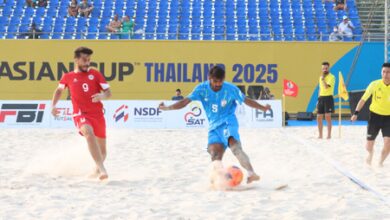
pixel 220 106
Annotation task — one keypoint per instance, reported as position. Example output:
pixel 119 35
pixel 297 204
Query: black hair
pixel 217 72
pixel 178 90
pixel 82 50
pixel 325 63
pixel 387 65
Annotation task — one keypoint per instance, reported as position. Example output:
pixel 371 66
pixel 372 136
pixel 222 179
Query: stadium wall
pixel 153 70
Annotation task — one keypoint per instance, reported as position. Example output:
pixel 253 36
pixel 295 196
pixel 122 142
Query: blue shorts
pixel 221 135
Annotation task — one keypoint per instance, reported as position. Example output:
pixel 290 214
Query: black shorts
pixel 376 123
pixel 325 104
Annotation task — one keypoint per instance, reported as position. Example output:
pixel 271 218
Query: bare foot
pixel 95 173
pixel 380 164
pixel 103 176
pixel 103 173
pixel 320 137
pixel 252 178
pixel 329 137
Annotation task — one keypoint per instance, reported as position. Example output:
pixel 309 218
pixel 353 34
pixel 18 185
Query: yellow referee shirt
pixel 380 103
pixel 329 80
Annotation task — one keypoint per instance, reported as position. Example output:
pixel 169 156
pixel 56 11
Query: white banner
pixel 132 114
pixel 17 114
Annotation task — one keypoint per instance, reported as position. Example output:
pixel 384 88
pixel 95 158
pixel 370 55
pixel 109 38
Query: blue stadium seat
pixel 194 19
pixel 325 38
pixel 56 36
pixel 312 37
pixel 230 37
pixel 347 39
pixel 102 36
pixel 91 36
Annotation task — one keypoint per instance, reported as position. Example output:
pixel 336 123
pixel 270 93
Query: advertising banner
pixel 153 70
pixel 132 114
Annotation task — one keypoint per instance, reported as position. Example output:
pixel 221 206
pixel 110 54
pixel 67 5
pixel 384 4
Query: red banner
pixel 290 88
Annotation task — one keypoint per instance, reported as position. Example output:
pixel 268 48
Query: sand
pixel 163 174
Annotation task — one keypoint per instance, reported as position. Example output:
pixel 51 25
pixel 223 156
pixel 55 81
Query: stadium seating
pixel 243 20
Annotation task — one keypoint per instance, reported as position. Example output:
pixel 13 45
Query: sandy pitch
pixel 162 174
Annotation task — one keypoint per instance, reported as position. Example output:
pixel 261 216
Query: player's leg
pixel 320 117
pixel 99 128
pixel 370 149
pixel 386 140
pixel 242 157
pixel 217 174
pixel 216 151
pixel 372 132
pixel 328 118
pixel 94 149
pixel 102 146
pixel 103 149
pixel 385 151
pixel 329 109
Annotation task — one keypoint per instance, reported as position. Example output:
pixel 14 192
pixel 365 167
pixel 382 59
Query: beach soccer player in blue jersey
pixel 219 99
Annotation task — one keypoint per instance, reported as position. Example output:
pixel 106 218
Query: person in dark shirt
pixel 36 3
pixel 178 95
pixel 33 33
pixel 41 3
pixel 85 8
pixel 340 5
pixel 266 94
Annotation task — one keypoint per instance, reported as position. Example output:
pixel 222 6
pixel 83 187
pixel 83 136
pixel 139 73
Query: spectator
pixel 340 5
pixel 335 35
pixel 127 28
pixel 85 8
pixel 34 3
pixel 41 3
pixel 34 32
pixel 114 25
pixel 73 9
pixel 266 95
pixel 30 3
pixel 178 95
pixel 346 27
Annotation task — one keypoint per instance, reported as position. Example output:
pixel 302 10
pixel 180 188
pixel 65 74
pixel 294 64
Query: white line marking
pixel 343 171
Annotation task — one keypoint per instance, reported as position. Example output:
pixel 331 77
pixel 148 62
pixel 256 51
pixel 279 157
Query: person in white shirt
pixel 346 27
pixel 335 35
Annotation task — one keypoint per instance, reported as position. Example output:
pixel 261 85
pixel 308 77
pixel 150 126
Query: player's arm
pixel 105 94
pixel 367 94
pixel 105 91
pixel 357 110
pixel 326 86
pixel 324 83
pixel 252 103
pixel 56 97
pixel 178 105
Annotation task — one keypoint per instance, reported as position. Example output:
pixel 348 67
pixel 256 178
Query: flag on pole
pixel 290 88
pixel 343 93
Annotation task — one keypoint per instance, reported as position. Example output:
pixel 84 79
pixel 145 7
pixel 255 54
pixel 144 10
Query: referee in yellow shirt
pixel 325 104
pixel 379 113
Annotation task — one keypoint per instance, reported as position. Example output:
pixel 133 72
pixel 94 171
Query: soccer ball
pixel 233 176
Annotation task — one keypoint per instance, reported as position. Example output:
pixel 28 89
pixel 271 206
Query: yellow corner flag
pixel 343 93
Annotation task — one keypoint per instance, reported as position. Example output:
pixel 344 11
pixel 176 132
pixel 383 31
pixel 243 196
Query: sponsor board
pixel 132 114
pixel 23 114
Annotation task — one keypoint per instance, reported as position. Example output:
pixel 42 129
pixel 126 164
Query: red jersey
pixel 82 86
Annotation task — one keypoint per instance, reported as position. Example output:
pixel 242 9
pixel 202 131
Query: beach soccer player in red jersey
pixel 87 87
